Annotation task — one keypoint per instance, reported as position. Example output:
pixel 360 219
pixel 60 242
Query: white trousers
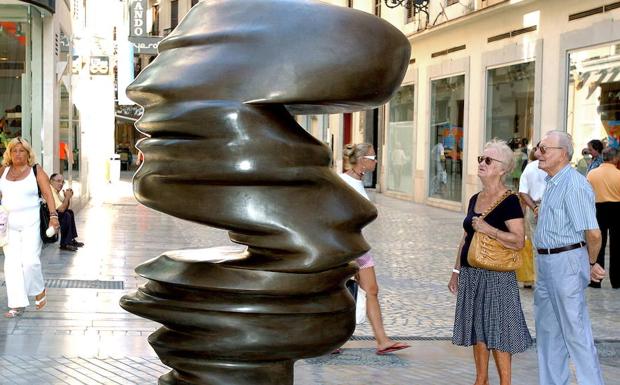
pixel 22 263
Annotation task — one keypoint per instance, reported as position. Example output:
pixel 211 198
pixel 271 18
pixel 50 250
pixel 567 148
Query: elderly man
pixel 62 200
pixel 531 189
pixel 566 223
pixel 605 181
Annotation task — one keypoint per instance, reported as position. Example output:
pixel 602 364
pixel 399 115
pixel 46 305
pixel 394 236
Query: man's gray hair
pixel 565 141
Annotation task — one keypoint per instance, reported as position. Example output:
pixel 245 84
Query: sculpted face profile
pixel 224 150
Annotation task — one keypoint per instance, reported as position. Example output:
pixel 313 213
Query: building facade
pixel 493 69
pixel 516 70
pixel 35 83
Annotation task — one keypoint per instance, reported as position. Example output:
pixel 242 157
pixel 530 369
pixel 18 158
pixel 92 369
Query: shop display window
pixel 400 141
pixel 510 112
pixel 594 98
pixel 21 71
pixel 13 45
pixel 446 138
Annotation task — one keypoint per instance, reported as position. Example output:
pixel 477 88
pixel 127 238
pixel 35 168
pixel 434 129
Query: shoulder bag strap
pixel 497 202
pixel 34 170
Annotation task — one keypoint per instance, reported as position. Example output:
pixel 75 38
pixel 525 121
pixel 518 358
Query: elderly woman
pixel 361 159
pixel 20 196
pixel 488 307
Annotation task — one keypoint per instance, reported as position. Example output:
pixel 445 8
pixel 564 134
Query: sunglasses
pixel 487 160
pixel 371 157
pixel 543 149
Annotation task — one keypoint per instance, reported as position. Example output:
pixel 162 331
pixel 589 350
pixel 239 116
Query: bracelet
pixel 53 215
pixel 456 271
pixel 593 263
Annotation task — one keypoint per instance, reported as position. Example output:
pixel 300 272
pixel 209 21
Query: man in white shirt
pixel 532 185
pixel 531 189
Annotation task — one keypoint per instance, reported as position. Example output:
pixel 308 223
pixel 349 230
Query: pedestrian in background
pixel 595 147
pixel 520 158
pixel 531 188
pixel 361 158
pixel 566 223
pixel 584 162
pixel 488 312
pixel 605 181
pixel 66 216
pixel 20 196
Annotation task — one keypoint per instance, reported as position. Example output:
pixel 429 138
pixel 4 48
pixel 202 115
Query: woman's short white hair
pixel 505 154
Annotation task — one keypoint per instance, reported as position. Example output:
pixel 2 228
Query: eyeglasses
pixel 59 181
pixel 487 159
pixel 543 149
pixel 371 157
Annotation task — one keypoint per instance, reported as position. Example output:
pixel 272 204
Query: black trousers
pixel 68 232
pixel 608 217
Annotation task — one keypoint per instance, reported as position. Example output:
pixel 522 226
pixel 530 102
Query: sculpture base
pixel 231 326
pixel 222 373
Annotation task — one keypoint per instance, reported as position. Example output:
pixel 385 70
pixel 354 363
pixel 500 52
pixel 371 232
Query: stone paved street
pixel 84 337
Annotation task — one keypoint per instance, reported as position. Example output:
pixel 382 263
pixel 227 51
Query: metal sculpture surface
pixel 225 151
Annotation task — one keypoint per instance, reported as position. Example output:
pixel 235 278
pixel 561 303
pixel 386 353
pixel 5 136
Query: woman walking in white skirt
pixel 20 196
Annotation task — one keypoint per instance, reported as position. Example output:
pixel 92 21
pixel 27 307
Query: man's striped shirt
pixel 567 209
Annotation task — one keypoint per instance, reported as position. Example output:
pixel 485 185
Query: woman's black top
pixel 505 211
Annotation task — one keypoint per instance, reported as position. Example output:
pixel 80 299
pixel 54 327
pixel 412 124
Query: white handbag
pixel 360 306
pixel 4 226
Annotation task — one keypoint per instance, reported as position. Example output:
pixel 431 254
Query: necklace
pixel 17 173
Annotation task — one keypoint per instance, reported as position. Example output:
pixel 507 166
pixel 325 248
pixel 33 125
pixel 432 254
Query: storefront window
pixel 69 141
pixel 594 97
pixel 399 141
pixel 64 132
pixel 316 125
pixel 446 138
pixel 21 75
pixel 13 80
pixel 510 111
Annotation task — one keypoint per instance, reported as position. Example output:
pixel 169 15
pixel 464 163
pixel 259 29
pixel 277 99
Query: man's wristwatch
pixel 592 263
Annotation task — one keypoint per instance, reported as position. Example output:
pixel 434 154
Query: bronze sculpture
pixel 224 150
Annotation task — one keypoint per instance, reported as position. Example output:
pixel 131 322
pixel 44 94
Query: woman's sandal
pixel 12 313
pixel 41 300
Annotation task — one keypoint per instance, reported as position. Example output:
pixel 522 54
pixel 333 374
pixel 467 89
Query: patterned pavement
pixel 83 337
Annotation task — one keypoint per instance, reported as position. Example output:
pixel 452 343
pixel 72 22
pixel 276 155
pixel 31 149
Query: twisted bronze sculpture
pixel 224 150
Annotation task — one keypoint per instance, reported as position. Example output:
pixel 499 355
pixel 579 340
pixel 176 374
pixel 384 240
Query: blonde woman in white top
pixel 361 158
pixel 22 264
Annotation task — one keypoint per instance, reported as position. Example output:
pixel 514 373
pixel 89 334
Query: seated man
pixel 68 232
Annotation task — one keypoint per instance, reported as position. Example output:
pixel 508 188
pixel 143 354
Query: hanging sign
pixel 137 18
pixel 99 65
